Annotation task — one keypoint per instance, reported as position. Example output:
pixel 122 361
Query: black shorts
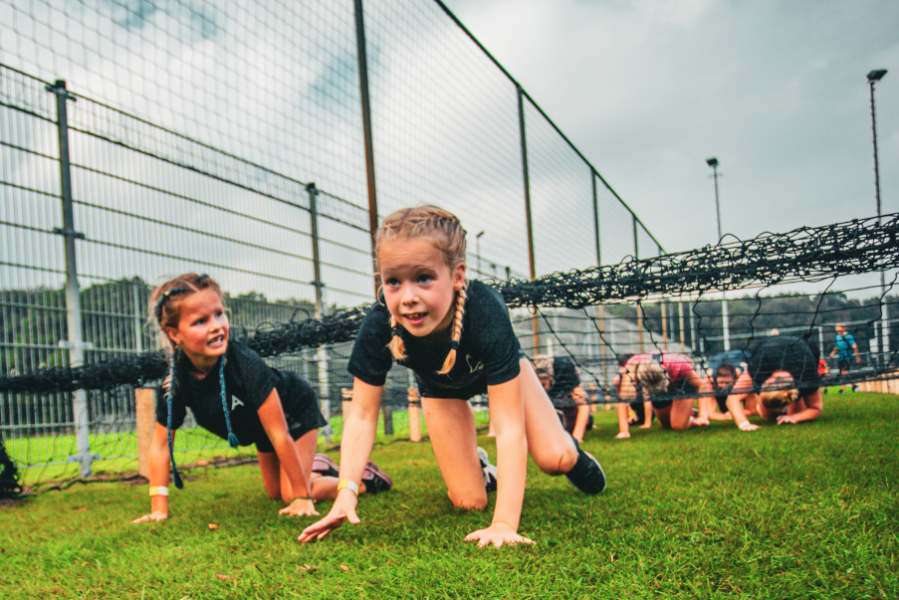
pixel 679 391
pixel 467 392
pixel 845 364
pixel 309 418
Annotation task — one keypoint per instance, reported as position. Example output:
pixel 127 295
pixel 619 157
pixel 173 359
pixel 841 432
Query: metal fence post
pixel 75 343
pixel 362 57
pixel 636 240
pixel 527 208
pixel 596 220
pixel 680 323
pixel 693 345
pixel 321 356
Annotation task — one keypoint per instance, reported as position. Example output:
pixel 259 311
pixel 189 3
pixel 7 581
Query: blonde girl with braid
pixel 457 338
pixel 235 395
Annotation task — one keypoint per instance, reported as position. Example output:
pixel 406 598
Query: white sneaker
pixel 488 469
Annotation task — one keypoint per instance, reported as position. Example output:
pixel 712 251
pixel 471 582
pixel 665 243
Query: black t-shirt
pixel 488 349
pixel 785 353
pixel 248 382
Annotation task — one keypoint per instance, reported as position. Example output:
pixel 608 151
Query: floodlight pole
pixel 884 349
pixel 713 162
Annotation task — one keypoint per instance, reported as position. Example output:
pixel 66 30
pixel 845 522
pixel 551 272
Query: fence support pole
pixel 693 337
pixel 362 57
pixel 680 324
pixel 75 343
pixel 321 357
pixel 725 327
pixel 527 208
pixel 664 327
pixel 145 412
pixel 596 220
pixel 636 240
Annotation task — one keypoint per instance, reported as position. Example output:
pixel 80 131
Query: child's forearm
pixel 809 414
pixel 159 469
pixel 290 462
pixel 359 430
pixel 511 466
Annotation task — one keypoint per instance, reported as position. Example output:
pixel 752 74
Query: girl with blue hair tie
pixel 234 394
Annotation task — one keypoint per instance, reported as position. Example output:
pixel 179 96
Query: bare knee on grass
pixel 476 502
pixel 558 462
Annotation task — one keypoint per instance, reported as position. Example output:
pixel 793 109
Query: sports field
pixel 808 511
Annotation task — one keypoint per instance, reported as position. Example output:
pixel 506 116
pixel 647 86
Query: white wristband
pixel 744 425
pixel 348 483
pixel 159 491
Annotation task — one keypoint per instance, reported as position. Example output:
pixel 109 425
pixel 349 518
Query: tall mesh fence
pixel 195 132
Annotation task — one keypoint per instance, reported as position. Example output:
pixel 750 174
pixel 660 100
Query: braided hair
pixel 165 311
pixel 442 229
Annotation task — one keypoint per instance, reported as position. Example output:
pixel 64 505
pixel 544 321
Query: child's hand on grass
pixel 299 508
pixel 785 419
pixel 344 509
pixel 624 435
pixel 153 516
pixel 701 421
pixel 645 426
pixel 497 534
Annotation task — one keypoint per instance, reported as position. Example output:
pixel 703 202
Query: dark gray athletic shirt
pixel 785 353
pixel 248 382
pixel 488 349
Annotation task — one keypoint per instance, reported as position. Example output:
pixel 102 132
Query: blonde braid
pixel 396 345
pixel 457 333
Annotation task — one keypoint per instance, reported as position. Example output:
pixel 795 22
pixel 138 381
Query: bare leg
pixel 323 488
pixel 451 427
pixel 680 413
pixel 548 443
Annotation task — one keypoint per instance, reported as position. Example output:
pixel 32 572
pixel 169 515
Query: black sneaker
pixel 376 480
pixel 488 469
pixel 587 475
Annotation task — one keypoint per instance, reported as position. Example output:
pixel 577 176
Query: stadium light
pixel 873 77
pixel 713 162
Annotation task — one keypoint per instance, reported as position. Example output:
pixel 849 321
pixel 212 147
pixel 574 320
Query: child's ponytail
pixel 457 333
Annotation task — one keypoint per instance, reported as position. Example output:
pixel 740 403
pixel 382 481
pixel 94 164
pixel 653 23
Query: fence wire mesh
pixel 195 132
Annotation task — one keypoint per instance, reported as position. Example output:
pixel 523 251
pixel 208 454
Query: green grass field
pixel 808 511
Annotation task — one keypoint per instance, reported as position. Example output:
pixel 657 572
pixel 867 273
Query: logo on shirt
pixel 235 402
pixel 473 369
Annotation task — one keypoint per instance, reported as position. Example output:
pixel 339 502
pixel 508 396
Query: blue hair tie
pixel 454 345
pixel 169 394
pixel 395 332
pixel 163 297
pixel 232 439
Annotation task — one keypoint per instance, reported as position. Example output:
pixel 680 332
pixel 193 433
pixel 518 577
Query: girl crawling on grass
pixel 234 394
pixel 457 338
pixel 781 379
pixel 664 378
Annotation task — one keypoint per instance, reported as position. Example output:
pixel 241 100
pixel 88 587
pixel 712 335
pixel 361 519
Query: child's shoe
pixel 375 479
pixel 488 469
pixel 322 464
pixel 587 475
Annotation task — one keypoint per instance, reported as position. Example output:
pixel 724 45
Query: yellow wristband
pixel 346 483
pixel 159 490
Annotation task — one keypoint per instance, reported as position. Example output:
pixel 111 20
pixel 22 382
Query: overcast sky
pixel 776 90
